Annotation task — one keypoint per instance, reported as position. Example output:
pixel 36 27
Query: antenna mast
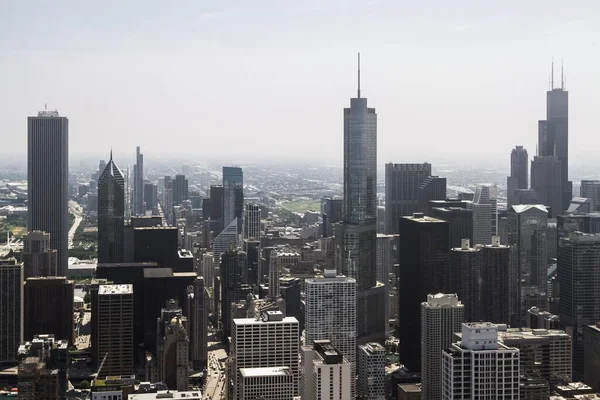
pixel 562 75
pixel 552 75
pixel 359 75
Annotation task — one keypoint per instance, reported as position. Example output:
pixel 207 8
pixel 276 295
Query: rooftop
pixel 253 321
pixel 372 347
pixel 265 371
pixel 525 207
pixel 419 217
pixel 115 289
pixel 167 394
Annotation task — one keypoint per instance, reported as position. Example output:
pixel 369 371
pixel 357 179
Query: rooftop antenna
pixel 45 106
pixel 359 75
pixel 562 75
pixel 552 75
pixel 110 153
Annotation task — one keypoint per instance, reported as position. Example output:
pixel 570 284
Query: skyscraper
pixel 227 237
pixel 485 212
pixel 518 166
pixel 553 136
pixel 402 184
pixel 423 255
pixel 216 209
pixel 111 214
pixel 466 279
pixel 371 371
pixel 325 372
pixel 432 188
pixel 591 190
pixel 460 220
pixel 138 183
pixel 11 309
pixel 48 180
pixel 252 221
pixel 39 259
pixel 441 316
pixel 199 300
pixel 231 285
pixel 330 313
pixel 233 196
pixel 500 283
pixel 180 189
pixel 546 181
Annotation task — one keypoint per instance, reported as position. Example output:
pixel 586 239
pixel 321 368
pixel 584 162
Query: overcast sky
pixel 451 80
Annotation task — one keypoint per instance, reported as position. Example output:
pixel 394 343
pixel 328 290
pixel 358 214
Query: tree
pixel 87 298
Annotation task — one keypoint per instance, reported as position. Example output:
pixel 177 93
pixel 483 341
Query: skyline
pixel 281 70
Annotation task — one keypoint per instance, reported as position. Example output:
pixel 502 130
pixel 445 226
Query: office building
pixel 402 184
pixel 274 264
pixel 479 367
pixel 138 185
pixel 216 209
pixel 500 286
pixel 485 213
pixel 326 374
pixel 332 213
pixel 252 346
pixel 553 138
pixel 460 220
pixel 330 313
pixel 423 258
pixel 199 307
pixel 252 226
pixel 180 189
pixel 233 196
pixel 591 358
pixel 371 371
pixel 580 205
pixel 579 280
pixel 48 307
pixel 48 181
pixel 11 309
pixel 546 181
pixel 39 259
pixel 465 279
pixel 114 309
pixel 228 237
pixel 291 291
pixel 519 161
pixel 160 244
pixel 150 196
pixel 231 285
pixel 111 214
pixel 409 391
pixel 384 267
pixel 42 370
pixel 252 272
pixel 441 316
pixel 543 353
pixel 172 347
pixel 432 188
pixel 268 383
pixel 591 190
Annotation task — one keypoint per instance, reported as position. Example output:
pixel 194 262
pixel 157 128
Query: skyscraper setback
pixel 47 180
pixel 111 214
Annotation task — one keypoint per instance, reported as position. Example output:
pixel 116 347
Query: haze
pixel 460 81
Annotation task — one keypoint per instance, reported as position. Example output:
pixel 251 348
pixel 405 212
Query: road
pixel 215 381
pixel 76 210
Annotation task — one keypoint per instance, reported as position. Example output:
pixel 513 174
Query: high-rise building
pixel 460 220
pixel 402 184
pixel 11 309
pixel 479 367
pixel 432 188
pixel 553 137
pixel 252 272
pixel 199 299
pixel 326 373
pixel 138 184
pixel 216 208
pixel 332 210
pixel 591 337
pixel 111 214
pixel 39 259
pixel 252 346
pixel 442 315
pixel 485 213
pixel 232 263
pixel 546 181
pixel 591 190
pixel 48 307
pixel 371 371
pixel 518 166
pixel 150 195
pixel 48 181
pixel 228 237
pixel 500 283
pixel 267 383
pixel 579 279
pixel 330 313
pixel 114 309
pixel 252 227
pixel 233 196
pixel 423 258
pixel 172 347
pixel 180 189
pixel 274 264
pixel 465 279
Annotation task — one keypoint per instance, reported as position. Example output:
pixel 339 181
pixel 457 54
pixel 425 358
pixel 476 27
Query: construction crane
pixel 99 369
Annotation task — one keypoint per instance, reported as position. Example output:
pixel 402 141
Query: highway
pixel 76 210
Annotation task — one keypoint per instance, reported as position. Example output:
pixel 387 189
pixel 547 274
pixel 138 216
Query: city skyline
pixel 466 93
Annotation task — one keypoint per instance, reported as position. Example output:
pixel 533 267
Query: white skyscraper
pixel 228 236
pixel 485 210
pixel 252 221
pixel 331 314
pixel 268 383
pixel 268 341
pixel 441 316
pixel 371 371
pixel 326 374
pixel 478 367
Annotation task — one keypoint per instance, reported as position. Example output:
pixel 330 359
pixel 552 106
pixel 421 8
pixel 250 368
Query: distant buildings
pixel 233 196
pixel 180 189
pixel 252 228
pixel 591 190
pixel 11 309
pixel 466 279
pixel 137 204
pixel 47 180
pixel 111 214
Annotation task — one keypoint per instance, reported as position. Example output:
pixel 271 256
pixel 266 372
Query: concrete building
pixel 326 374
pixel 441 316
pixel 172 347
pixel 39 259
pixel 114 309
pixel 232 263
pixel 330 314
pixel 409 391
pixel 111 214
pixel 199 304
pixel 485 213
pixel 591 189
pixel 48 181
pixel 479 367
pixel 180 190
pixel 227 237
pixel 11 309
pixel 252 346
pixel 591 358
pixel 48 307
pixel 371 372
pixel 384 267
pixel 267 383
pixel 252 227
pixel 518 166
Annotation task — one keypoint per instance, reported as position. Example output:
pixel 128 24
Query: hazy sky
pixel 451 80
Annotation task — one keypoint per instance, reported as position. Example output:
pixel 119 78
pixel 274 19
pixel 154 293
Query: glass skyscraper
pixel 111 214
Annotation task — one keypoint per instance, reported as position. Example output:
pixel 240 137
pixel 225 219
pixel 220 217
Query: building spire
pixel 359 75
pixel 562 75
pixel 110 153
pixel 552 75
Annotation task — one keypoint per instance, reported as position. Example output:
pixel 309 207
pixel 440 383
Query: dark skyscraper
pixel 233 196
pixel 150 195
pixel 432 188
pixel 216 209
pixel 180 189
pixel 232 290
pixel 518 166
pixel 591 190
pixel 402 184
pixel 48 180
pixel 500 283
pixel 423 256
pixel 546 181
pixel 460 220
pixel 138 183
pixel 465 279
pixel 111 214
pixel 553 136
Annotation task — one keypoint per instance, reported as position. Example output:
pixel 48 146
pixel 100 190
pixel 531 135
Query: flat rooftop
pixel 265 371
pixel 252 321
pixel 168 394
pixel 115 289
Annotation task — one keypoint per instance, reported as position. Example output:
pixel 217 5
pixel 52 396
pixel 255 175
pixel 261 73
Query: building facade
pixel 11 309
pixel 111 214
pixel 233 196
pixel 39 259
pixel 371 362
pixel 326 374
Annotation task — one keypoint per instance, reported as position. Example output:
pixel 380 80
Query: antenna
pixel 45 106
pixel 552 75
pixel 359 75
pixel 562 75
pixel 110 153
